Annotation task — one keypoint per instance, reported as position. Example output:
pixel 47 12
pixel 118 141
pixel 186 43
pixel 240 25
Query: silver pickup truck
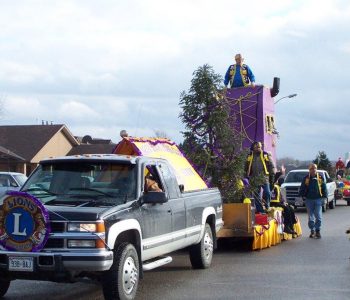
pixel 11 181
pixel 92 217
pixel 292 183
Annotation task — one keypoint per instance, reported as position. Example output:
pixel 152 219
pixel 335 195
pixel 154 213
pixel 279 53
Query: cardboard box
pixel 238 218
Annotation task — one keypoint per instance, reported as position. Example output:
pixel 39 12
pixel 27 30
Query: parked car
pixel 11 181
pixel 292 182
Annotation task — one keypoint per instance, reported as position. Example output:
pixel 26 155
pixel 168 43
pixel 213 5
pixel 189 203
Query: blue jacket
pixel 313 187
pixel 239 76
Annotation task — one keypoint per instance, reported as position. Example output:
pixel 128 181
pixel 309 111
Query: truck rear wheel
pixel 4 286
pixel 201 254
pixel 121 280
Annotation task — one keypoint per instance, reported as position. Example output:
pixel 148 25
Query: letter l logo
pixel 16 226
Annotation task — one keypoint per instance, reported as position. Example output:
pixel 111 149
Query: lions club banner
pixel 163 148
pixel 24 223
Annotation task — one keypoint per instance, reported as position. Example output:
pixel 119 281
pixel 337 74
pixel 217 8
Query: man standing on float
pixel 239 74
pixel 260 170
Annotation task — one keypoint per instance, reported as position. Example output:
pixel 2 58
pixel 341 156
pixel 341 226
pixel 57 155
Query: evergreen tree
pixel 209 141
pixel 323 163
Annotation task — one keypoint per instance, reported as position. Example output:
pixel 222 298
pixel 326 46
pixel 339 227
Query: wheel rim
pixel 130 275
pixel 208 246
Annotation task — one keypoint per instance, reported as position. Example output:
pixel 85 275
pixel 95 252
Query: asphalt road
pixel 302 268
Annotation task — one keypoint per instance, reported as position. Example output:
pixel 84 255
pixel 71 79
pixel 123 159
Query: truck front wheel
pixel 121 280
pixel 201 254
pixel 4 286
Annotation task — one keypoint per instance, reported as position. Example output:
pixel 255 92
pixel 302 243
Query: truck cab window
pixel 170 181
pixel 152 181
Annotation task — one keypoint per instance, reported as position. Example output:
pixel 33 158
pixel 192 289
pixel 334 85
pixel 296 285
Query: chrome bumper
pixel 87 260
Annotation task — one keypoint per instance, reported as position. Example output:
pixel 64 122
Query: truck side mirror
pixel 154 197
pixel 14 184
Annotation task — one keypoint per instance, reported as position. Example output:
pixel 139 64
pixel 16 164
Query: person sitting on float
pixel 277 200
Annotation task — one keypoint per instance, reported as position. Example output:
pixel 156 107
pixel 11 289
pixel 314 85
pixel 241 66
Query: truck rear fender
pixel 209 216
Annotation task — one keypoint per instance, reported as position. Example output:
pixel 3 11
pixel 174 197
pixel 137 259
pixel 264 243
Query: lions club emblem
pixel 24 223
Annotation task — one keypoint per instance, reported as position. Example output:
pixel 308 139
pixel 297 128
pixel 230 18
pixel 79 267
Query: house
pixel 9 157
pixel 23 146
pixel 89 145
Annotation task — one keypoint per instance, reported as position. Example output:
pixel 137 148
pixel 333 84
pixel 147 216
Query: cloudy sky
pixel 102 66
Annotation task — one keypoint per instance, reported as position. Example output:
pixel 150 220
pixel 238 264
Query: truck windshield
pixel 105 183
pixel 295 176
pixel 298 176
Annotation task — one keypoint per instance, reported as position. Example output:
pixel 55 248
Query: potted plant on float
pixel 210 142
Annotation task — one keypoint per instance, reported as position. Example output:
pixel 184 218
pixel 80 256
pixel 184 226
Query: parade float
pixel 239 222
pixel 343 189
pixel 252 109
pixel 185 174
pixel 213 119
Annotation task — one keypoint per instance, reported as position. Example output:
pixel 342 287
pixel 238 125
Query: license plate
pixel 21 264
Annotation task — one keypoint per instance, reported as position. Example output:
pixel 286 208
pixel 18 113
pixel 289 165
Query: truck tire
pixel 4 286
pixel 120 282
pixel 201 254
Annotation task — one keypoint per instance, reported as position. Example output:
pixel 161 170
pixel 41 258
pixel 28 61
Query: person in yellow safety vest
pixel 259 167
pixel 276 194
pixel 239 74
pixel 288 214
pixel 313 190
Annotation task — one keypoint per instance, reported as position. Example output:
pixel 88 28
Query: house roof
pixel 92 149
pixel 9 155
pixel 27 140
pixel 88 139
